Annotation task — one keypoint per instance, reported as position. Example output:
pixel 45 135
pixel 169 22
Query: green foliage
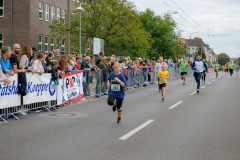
pixel 237 60
pixel 118 24
pixel 164 40
pixel 223 58
pixel 200 51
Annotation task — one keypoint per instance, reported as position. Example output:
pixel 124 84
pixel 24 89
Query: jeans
pixel 198 77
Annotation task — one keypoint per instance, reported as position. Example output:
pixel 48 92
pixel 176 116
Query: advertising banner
pixel 70 87
pixel 40 88
pixel 8 93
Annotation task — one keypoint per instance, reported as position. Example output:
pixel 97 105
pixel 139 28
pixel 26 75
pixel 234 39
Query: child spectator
pixel 56 73
pixel 78 63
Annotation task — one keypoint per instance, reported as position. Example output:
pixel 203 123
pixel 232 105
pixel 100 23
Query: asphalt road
pixel 186 126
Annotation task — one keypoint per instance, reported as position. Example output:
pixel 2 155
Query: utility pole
pixel 68 28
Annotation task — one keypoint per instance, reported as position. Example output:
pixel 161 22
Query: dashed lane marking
pixel 175 105
pixel 126 136
pixel 193 93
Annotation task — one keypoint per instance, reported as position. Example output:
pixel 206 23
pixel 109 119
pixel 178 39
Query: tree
pixel 200 51
pixel 118 23
pixel 223 58
pixel 164 39
pixel 237 60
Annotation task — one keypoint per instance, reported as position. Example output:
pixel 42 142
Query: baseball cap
pixel 34 49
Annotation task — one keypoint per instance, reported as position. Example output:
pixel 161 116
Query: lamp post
pixel 190 43
pixel 80 35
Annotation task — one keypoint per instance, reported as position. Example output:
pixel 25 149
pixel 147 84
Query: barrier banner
pixel 8 93
pixel 40 88
pixel 70 87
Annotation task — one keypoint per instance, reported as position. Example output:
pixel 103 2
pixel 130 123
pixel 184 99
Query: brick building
pixel 30 22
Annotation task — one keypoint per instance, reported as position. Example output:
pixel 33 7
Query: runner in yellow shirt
pixel 163 75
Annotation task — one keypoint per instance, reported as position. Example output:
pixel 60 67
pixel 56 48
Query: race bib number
pixel 163 80
pixel 217 68
pixel 184 66
pixel 115 87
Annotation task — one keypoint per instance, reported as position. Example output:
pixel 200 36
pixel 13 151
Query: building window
pixel 1 40
pixel 77 1
pixel 53 13
pixel 47 12
pixel 52 44
pixel 58 14
pixel 192 48
pixel 63 45
pixel 58 43
pixel 40 43
pixel 40 10
pixel 63 14
pixel 46 44
pixel 1 8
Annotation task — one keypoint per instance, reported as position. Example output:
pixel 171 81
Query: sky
pixel 216 21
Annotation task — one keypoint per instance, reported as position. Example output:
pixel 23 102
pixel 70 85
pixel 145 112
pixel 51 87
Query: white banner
pixel 40 88
pixel 8 93
pixel 70 87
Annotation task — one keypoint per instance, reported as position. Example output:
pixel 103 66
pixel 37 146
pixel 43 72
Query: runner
pixel 217 67
pixel 159 68
pixel 237 67
pixel 197 66
pixel 184 66
pixel 163 76
pixel 230 68
pixel 204 73
pixel 116 84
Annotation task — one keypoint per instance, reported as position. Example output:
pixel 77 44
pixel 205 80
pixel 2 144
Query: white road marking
pixel 175 105
pixel 193 93
pixel 126 136
pixel 203 86
pixel 213 80
pixel 209 83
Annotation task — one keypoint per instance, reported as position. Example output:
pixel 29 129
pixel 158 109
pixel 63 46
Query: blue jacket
pixel 199 65
pixel 6 65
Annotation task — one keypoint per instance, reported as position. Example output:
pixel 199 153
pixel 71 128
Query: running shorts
pixel 182 73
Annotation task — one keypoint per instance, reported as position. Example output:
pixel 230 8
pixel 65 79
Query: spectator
pixel 37 63
pixel 86 66
pixel 57 55
pixel 103 77
pixel 15 58
pixel 2 77
pixel 24 60
pixel 49 58
pixel 34 53
pixel 5 62
pixel 123 65
pixel 99 59
pixel 83 59
pixel 56 73
pixel 169 61
pixel 71 62
pixel 78 63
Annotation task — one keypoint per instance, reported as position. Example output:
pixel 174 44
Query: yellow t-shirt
pixel 165 74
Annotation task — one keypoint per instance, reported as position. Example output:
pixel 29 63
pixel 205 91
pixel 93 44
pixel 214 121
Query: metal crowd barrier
pixel 95 85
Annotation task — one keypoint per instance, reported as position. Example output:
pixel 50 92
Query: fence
pixel 95 85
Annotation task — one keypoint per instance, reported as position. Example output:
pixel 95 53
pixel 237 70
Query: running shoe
pixel 197 91
pixel 119 120
pixel 163 98
pixel 114 107
pixel 183 83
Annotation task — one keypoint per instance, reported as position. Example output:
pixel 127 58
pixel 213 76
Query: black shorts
pixel 231 71
pixel 216 70
pixel 162 85
pixel 182 73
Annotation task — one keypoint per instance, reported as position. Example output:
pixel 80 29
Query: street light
pixel 80 35
pixel 190 43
